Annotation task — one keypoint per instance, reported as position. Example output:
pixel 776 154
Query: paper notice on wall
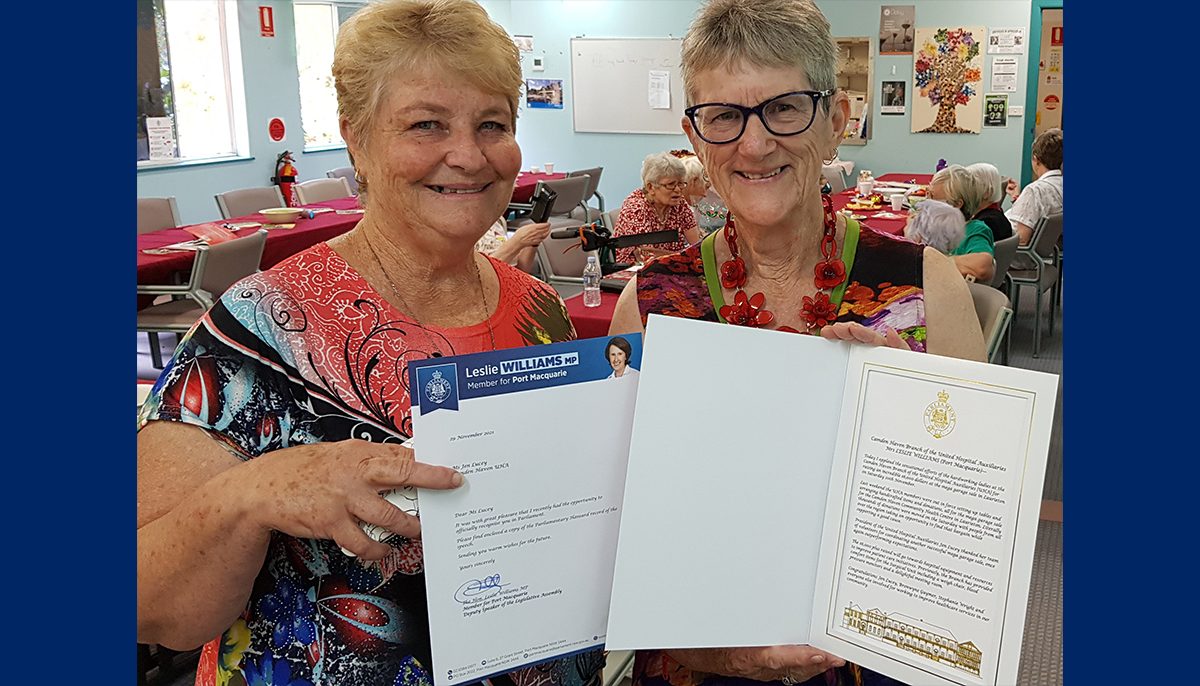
pixel 1008 40
pixel 161 138
pixel 1004 74
pixel 660 90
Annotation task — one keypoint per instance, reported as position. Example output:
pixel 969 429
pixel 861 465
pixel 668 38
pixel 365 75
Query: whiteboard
pixel 610 84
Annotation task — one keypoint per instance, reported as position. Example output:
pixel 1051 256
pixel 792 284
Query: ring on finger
pixel 787 680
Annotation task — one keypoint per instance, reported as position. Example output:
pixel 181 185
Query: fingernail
pixel 456 480
pixel 818 658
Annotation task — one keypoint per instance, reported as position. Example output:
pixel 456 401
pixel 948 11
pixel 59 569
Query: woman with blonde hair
pixel 763 112
pixel 284 414
pixel 989 212
pixel 975 255
pixel 661 204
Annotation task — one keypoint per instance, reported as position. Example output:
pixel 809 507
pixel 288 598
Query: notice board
pixel 611 85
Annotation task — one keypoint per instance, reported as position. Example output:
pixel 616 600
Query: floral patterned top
pixel 883 287
pixel 638 216
pixel 308 352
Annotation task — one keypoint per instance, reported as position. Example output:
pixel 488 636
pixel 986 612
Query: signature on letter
pixel 478 589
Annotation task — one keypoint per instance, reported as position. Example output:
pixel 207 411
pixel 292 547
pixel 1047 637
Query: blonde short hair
pixel 988 176
pixel 962 188
pixel 660 165
pixel 387 37
pixel 763 33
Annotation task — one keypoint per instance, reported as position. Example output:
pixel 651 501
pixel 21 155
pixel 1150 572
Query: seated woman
pixel 518 250
pixel 936 224
pixel 990 213
pixel 659 205
pixel 975 255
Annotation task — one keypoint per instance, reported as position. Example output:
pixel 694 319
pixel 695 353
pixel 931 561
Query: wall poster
pixel 893 98
pixel 995 111
pixel 948 62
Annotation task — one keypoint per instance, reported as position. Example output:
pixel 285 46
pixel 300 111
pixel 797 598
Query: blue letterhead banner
pixel 440 383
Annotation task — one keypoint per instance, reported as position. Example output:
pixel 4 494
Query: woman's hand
pixel 1011 188
pixel 325 490
pixel 857 333
pixel 531 235
pixel 794 662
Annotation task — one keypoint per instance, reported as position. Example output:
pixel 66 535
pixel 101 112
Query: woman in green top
pixel 957 186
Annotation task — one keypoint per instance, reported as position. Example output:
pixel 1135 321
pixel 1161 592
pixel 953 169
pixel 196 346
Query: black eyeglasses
pixel 782 115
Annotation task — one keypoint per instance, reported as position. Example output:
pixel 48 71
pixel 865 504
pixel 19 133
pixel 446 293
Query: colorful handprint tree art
pixel 947 65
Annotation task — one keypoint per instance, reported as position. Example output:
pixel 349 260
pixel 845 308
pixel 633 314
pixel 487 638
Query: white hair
pixel 936 224
pixel 694 167
pixel 988 177
pixel 660 165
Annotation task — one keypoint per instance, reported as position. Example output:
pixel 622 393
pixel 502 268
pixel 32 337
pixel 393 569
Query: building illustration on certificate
pixel 915 636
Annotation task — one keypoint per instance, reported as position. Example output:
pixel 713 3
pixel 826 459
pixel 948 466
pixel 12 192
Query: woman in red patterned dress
pixel 282 416
pixel 661 204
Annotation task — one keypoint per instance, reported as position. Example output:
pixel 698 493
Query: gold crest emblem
pixel 940 417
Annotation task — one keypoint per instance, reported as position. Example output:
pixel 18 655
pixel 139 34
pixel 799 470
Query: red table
pixel 527 181
pixel 892 226
pixel 281 243
pixel 592 322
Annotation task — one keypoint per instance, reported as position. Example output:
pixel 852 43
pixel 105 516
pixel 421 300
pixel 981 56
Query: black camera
pixel 596 236
pixel 543 200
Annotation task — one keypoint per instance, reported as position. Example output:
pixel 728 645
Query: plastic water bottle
pixel 591 282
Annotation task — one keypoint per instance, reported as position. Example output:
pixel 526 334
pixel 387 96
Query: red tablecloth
pixel 281 243
pixel 527 181
pixel 872 220
pixel 592 322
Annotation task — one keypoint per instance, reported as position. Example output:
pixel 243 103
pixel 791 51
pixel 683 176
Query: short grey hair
pixel 988 176
pixel 660 165
pixel 763 33
pixel 936 224
pixel 693 167
pixel 961 188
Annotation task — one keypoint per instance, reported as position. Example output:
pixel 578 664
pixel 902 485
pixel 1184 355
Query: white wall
pixel 547 135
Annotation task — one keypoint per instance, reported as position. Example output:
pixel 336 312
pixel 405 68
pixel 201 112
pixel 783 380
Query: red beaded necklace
pixel 816 311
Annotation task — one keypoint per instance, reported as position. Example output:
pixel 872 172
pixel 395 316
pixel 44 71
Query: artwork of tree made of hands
pixel 949 61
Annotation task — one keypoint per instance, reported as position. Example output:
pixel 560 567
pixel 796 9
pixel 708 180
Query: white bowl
pixel 280 215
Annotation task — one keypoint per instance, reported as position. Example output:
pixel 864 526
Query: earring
pixel 832 159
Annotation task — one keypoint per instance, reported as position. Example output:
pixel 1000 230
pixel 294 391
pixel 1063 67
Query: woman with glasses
pixel 764 112
pixel 661 204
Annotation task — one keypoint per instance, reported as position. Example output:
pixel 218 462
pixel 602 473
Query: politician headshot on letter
pixel 618 351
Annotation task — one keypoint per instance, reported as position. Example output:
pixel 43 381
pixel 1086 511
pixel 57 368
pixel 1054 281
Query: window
pixel 316 31
pixel 191 102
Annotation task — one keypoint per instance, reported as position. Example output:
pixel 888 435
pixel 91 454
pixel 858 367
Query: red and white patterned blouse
pixel 638 216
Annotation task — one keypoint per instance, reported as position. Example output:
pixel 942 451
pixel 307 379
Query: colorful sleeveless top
pixel 883 287
pixel 309 352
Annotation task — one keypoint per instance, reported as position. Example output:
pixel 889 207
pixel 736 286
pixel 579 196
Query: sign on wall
pixel 266 20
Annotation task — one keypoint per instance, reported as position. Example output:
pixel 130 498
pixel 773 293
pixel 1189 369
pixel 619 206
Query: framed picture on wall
pixel 892 97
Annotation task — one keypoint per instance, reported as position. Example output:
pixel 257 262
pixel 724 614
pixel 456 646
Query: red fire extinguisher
pixel 285 176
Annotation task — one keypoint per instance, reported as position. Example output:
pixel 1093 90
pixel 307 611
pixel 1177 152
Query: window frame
pixel 235 92
pixel 335 7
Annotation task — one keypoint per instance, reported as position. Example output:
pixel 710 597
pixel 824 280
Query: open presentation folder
pixel 518 560
pixel 876 503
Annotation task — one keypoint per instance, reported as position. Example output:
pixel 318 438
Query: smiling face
pixel 763 178
pixel 616 358
pixel 441 156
